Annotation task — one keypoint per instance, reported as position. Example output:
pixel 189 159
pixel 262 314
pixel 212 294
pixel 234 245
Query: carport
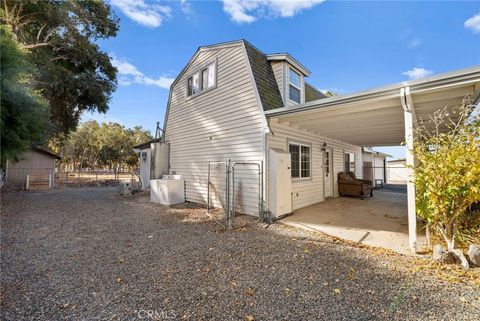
pixel 384 116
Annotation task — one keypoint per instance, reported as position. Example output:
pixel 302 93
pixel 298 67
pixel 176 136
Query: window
pixel 201 80
pixel 295 86
pixel 300 160
pixel 349 162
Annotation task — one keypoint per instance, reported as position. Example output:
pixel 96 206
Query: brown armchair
pixel 348 184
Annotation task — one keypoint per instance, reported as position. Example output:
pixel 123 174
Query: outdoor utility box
pixel 167 190
pixel 279 177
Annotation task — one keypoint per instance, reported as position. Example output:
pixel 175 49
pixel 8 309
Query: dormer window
pixel 294 86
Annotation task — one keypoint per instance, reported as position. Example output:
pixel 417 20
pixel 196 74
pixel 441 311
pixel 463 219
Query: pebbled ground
pixel 89 254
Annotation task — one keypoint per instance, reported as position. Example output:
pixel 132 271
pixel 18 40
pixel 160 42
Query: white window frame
pixel 291 84
pixel 199 72
pixel 345 153
pixel 300 145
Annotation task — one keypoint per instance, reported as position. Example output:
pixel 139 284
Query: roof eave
pixel 471 74
pixel 294 62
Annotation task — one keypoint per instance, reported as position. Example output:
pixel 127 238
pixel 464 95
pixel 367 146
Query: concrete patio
pixel 380 221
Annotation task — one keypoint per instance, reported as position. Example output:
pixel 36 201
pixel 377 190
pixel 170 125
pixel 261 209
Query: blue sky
pixel 348 45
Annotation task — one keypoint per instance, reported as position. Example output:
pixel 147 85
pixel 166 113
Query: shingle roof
pixel 146 144
pixel 45 151
pixel 264 78
pixel 311 93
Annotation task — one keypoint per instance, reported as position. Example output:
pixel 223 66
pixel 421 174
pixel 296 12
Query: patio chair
pixel 348 184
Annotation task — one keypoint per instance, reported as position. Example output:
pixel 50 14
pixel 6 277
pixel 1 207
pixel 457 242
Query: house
pixel 374 166
pixel 35 166
pixel 248 133
pixel 397 171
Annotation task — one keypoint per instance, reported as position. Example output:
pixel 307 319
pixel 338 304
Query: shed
pixel 34 165
pixel 374 165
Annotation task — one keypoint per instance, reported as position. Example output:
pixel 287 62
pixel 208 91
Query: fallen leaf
pixel 119 280
pixel 250 292
pixel 287 291
pixel 337 290
pixel 249 318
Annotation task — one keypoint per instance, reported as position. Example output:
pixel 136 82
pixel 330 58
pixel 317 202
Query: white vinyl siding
pixel 310 191
pixel 221 124
pixel 278 68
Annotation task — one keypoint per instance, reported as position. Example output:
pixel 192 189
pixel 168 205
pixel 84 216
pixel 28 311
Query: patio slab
pixel 380 221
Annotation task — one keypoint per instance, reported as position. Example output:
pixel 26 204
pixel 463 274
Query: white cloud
pixel 129 74
pixel 473 23
pixel 186 7
pixel 415 43
pixel 417 73
pixel 247 11
pixel 124 67
pixel 150 15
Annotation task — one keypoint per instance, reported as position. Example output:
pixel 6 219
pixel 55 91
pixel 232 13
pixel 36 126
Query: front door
pixel 328 172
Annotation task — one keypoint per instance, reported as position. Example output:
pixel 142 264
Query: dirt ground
pixel 89 254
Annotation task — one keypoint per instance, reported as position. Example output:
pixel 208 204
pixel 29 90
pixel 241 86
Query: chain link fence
pixel 235 187
pixel 92 177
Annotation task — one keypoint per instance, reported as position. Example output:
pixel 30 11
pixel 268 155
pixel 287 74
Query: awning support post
pixel 410 162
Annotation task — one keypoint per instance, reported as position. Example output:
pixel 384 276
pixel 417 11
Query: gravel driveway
pixel 88 254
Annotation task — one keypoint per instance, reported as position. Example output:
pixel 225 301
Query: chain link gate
pixel 217 194
pixel 247 189
pixel 236 187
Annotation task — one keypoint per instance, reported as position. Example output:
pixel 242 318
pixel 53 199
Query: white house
pixel 232 104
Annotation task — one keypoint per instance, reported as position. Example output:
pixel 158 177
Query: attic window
pixel 294 86
pixel 201 80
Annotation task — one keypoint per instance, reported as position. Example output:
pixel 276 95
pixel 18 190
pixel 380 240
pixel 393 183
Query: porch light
pixel 324 147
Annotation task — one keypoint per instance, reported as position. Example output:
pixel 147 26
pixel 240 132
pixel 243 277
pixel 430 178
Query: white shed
pixel 144 155
pixel 374 165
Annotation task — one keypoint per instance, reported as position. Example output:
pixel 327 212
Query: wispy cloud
pixel 417 73
pixel 247 11
pixel 413 43
pixel 186 7
pixel 129 74
pixel 473 23
pixel 147 14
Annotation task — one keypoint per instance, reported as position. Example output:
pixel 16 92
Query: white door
pixel 328 172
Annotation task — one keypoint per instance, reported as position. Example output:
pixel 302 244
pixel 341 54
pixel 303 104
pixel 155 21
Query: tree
pixel 74 75
pixel 329 93
pixel 23 109
pixel 108 145
pixel 447 176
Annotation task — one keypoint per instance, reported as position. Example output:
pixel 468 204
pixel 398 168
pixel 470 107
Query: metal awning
pixel 376 117
pixel 385 116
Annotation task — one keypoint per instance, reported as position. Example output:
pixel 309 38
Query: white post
pixel 412 218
